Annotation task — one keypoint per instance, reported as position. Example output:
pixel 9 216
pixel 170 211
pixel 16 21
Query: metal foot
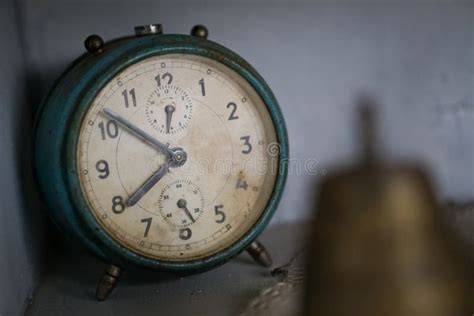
pixel 260 254
pixel 108 282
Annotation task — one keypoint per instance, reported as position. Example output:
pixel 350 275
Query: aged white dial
pixel 173 157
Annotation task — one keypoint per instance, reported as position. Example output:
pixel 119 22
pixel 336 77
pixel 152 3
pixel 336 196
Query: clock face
pixel 176 157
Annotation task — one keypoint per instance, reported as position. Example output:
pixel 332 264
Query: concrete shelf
pixel 69 285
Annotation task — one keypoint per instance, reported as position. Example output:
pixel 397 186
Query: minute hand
pixel 138 132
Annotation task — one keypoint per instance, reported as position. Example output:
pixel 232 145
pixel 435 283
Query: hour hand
pixel 138 131
pixel 148 184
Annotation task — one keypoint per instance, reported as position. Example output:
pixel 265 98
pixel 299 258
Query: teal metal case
pixel 57 128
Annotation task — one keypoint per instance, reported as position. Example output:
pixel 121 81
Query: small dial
pixel 181 203
pixel 169 109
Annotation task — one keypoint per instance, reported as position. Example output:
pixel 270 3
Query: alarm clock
pixel 161 151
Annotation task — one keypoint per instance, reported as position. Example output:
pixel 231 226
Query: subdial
pixel 181 203
pixel 169 109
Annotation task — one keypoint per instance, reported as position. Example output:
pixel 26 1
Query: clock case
pixel 57 128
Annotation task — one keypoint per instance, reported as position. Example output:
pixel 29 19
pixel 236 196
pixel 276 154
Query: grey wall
pixel 21 223
pixel 415 56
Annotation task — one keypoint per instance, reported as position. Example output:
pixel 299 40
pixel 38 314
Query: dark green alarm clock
pixel 162 151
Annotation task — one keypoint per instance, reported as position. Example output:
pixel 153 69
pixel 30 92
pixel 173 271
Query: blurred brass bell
pixel 380 247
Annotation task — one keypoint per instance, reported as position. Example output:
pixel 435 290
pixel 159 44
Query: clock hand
pixel 148 184
pixel 182 205
pixel 169 110
pixel 138 132
pixel 176 156
pixel 177 159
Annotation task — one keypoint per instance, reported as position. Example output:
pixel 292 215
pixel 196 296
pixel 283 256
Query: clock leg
pixel 108 282
pixel 260 254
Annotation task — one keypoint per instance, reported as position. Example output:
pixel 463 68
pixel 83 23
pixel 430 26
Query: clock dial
pixel 173 157
pixel 169 109
pixel 181 203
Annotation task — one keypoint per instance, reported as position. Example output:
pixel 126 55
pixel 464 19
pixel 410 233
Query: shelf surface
pixel 69 285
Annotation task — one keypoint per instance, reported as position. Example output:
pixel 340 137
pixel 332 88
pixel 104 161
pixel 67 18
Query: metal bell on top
pixel 379 245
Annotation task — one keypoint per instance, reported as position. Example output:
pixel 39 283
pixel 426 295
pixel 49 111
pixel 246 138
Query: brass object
pixel 260 254
pixel 108 282
pixel 379 245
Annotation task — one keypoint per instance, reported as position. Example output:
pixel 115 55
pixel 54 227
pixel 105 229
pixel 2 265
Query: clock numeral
pixel 241 184
pixel 147 221
pixel 165 76
pixel 219 213
pixel 246 140
pixel 102 167
pixel 109 129
pixel 185 233
pixel 117 205
pixel 203 89
pixel 232 115
pixel 125 94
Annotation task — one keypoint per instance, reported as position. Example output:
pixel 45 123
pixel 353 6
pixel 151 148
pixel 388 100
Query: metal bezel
pixel 58 125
